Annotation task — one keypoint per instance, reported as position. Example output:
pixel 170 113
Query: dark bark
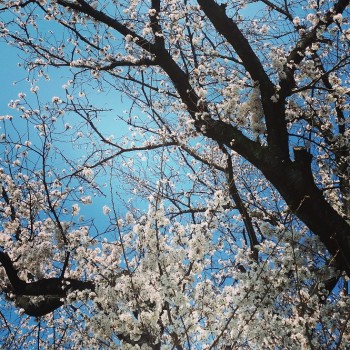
pixel 52 289
pixel 277 135
pixel 295 183
pixel 293 179
pixel 38 308
pixel 234 193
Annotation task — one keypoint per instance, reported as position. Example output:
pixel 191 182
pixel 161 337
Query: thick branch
pixel 295 183
pixel 180 79
pixel 52 289
pixel 156 28
pixel 38 308
pixel 277 135
pixel 230 31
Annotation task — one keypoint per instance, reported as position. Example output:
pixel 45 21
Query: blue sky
pixel 9 73
pixel 13 81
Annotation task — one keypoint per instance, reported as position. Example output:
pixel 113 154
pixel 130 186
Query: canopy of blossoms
pixel 213 213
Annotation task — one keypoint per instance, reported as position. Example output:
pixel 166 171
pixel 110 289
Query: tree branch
pixel 277 135
pixel 233 190
pixel 52 289
pixel 298 53
pixel 84 7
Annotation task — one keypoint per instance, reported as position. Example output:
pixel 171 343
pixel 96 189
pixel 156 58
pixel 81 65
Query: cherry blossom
pixel 213 213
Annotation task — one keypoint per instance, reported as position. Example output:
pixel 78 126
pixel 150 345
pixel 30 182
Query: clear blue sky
pixel 9 72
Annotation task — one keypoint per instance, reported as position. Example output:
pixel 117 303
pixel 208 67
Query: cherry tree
pixel 221 196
